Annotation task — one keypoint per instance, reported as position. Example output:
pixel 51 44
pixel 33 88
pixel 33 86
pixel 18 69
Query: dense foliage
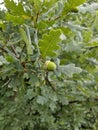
pixel 64 32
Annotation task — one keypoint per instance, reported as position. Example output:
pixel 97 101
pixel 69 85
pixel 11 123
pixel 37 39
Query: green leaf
pixel 91 8
pixel 74 47
pixel 27 40
pixel 70 69
pixel 14 19
pixel 44 24
pixel 50 3
pixel 1 118
pixel 2 24
pixel 30 94
pixel 41 100
pixel 3 61
pixel 37 4
pixel 16 9
pixel 70 5
pixel 52 106
pixel 75 3
pixel 49 43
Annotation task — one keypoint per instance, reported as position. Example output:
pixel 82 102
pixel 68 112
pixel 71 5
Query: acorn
pixel 74 10
pixel 49 65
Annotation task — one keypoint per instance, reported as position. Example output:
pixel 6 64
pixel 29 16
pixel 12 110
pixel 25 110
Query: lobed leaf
pixel 49 43
pixel 70 69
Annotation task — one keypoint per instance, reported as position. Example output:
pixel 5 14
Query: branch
pixel 77 101
pixel 57 17
pixel 92 47
pixel 48 82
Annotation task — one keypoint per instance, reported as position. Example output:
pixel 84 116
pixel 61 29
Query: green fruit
pixel 49 65
pixel 74 10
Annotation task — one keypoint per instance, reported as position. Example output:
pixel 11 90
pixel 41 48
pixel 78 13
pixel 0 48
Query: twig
pixel 22 51
pixel 57 17
pixel 6 83
pixel 48 82
pixel 92 47
pixel 14 51
pixel 77 101
pixel 37 15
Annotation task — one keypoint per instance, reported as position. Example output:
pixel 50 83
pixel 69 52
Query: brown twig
pixel 37 15
pixel 48 82
pixel 57 17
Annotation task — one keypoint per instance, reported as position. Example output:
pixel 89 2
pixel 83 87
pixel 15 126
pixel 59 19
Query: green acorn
pixel 74 10
pixel 49 65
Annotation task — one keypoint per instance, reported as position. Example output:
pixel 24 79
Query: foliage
pixel 65 32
